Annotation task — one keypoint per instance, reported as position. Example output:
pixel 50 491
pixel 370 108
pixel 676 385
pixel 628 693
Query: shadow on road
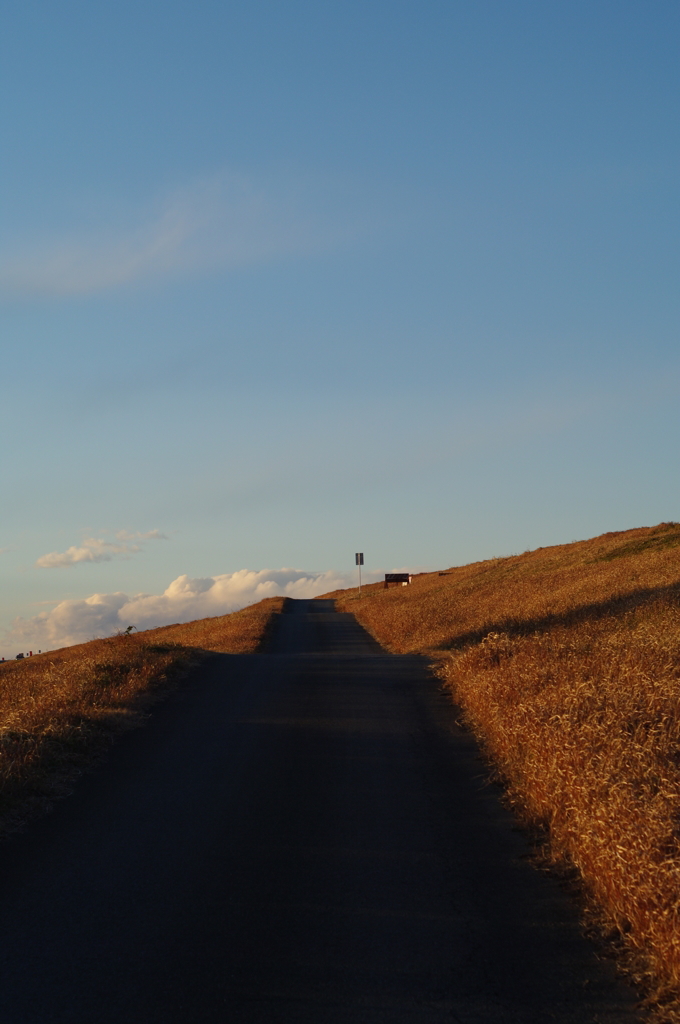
pixel 297 837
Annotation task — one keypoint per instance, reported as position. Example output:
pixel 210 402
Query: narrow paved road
pixel 299 837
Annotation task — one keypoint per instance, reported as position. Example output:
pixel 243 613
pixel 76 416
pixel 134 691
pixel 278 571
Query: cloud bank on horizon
pixel 75 621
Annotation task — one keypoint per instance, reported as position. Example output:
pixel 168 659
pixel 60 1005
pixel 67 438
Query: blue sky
pixel 284 281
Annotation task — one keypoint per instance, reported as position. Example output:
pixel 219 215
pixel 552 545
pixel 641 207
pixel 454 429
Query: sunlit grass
pixel 566 664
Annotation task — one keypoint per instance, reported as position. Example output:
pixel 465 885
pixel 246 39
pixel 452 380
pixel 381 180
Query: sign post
pixel 359 560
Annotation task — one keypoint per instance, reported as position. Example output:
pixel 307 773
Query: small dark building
pixel 397 577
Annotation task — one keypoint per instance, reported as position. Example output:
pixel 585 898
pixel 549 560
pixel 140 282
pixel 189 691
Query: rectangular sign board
pixel 359 558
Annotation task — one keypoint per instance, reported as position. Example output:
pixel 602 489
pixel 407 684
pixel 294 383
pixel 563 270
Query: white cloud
pixel 95 549
pixel 187 598
pixel 226 221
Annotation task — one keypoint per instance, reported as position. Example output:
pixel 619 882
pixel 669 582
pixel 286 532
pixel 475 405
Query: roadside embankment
pixel 565 662
pixel 59 711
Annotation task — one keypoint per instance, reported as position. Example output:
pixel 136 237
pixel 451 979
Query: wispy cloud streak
pixel 227 221
pixel 96 549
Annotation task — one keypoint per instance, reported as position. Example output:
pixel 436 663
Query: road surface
pixel 298 837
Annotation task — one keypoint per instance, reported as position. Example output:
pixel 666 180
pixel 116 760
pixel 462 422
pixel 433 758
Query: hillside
pixel 60 710
pixel 565 662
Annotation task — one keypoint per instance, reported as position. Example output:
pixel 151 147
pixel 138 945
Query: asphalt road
pixel 304 837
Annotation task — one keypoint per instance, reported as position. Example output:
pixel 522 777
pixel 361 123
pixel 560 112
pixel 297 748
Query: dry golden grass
pixel 241 632
pixel 60 710
pixel 566 663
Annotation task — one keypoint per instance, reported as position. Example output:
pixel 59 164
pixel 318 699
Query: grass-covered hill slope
pixel 566 664
pixel 523 593
pixel 61 709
